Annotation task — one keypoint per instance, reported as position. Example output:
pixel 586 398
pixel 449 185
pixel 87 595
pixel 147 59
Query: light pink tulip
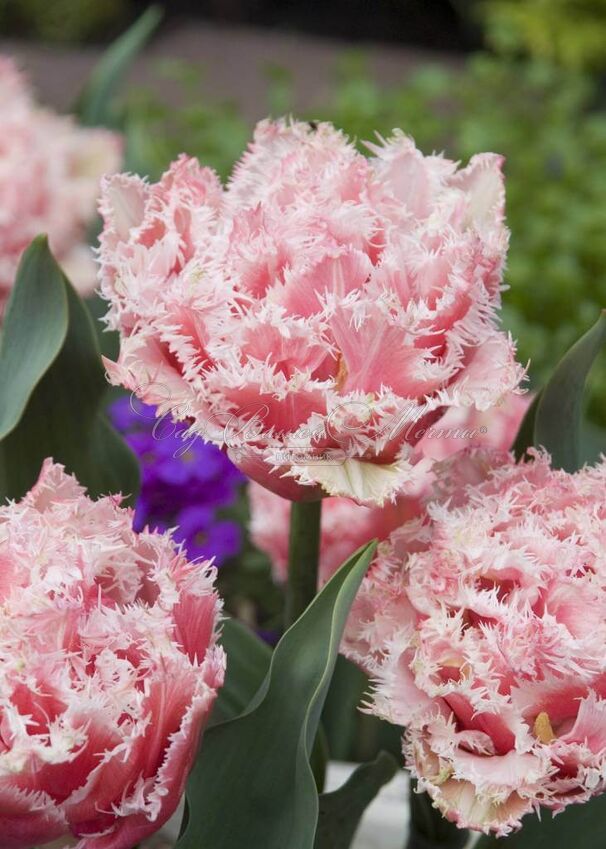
pixel 49 182
pixel 347 525
pixel 484 629
pixel 465 427
pixel 319 313
pixel 109 668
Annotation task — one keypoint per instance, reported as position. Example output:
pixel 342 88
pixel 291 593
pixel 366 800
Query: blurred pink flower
pixel 49 182
pixel 109 669
pixel 465 427
pixel 347 525
pixel 317 314
pixel 485 632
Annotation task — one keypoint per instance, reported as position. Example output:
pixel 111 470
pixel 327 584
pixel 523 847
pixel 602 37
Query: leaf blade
pixel 38 300
pixel 94 105
pixel 248 660
pixel 64 417
pixel 525 436
pixel 559 413
pixel 342 810
pixel 260 761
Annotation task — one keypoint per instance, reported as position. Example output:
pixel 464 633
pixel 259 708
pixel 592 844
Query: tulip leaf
pixel 428 828
pixel 525 436
pixel 593 442
pixel 63 415
pixel 341 718
pixel 258 764
pixel 39 300
pixel 558 422
pixel 582 826
pixel 95 105
pixel 248 659
pixel 341 810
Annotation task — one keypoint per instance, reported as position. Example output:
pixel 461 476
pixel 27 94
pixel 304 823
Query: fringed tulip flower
pixel 467 428
pixel 320 312
pixel 485 632
pixel 347 525
pixel 49 182
pixel 109 669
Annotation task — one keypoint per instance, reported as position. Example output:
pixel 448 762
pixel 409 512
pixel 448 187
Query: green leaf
pixel 581 826
pixel 318 760
pixel 258 764
pixel 248 660
pixel 340 718
pixel 108 340
pixel 95 105
pixel 559 414
pixel 39 300
pixel 353 735
pixel 63 416
pixel 341 811
pixel 525 436
pixel 428 828
pixel 593 442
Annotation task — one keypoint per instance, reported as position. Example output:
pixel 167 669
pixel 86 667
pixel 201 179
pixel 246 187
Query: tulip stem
pixel 303 556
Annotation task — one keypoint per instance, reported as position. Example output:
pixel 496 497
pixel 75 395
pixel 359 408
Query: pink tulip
pixel 109 669
pixel 319 313
pixel 485 632
pixel 347 525
pixel 463 427
pixel 49 182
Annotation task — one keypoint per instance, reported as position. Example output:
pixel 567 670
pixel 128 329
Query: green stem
pixel 428 828
pixel 303 556
pixel 301 589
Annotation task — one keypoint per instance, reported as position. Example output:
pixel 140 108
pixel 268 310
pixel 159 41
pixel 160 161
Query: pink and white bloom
pixel 109 668
pixel 49 181
pixel 466 427
pixel 485 631
pixel 347 525
pixel 318 313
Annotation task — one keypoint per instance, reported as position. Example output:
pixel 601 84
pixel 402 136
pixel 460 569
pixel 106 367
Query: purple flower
pixel 205 536
pixel 127 413
pixel 184 482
